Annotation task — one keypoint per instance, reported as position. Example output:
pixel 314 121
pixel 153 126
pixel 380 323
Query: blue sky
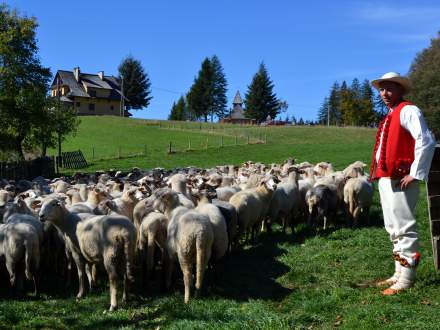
pixel 306 45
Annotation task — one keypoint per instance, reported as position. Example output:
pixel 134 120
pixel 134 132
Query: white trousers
pixel 398 208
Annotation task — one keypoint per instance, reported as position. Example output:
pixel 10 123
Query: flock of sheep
pixel 132 223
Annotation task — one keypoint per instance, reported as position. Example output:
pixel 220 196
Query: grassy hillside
pixel 109 135
pixel 296 281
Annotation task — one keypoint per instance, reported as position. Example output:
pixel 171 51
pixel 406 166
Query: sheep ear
pixel 35 204
pixel 323 166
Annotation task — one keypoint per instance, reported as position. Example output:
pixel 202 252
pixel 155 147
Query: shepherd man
pixel 401 158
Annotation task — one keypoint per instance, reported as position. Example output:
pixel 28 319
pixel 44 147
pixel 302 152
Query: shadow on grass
pixel 251 272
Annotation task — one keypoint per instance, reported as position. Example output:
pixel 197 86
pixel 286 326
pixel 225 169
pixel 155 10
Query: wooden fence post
pixel 93 152
pixel 119 152
pixel 206 143
pixel 265 138
pixel 189 144
pixel 248 139
pixel 235 139
pixel 221 143
pixel 170 148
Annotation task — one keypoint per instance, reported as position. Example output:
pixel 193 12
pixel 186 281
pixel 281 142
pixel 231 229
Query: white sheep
pixel 285 201
pixel 123 205
pixel 252 204
pixel 20 244
pixel 218 222
pixel 107 239
pixel 178 183
pixel 5 197
pixel 358 197
pixel 323 168
pixel 95 196
pixel 152 234
pixel 225 193
pixel 354 170
pixel 190 239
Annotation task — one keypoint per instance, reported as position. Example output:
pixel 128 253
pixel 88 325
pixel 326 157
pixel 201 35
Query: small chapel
pixel 236 115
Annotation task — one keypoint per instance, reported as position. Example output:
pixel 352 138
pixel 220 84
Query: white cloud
pixel 388 13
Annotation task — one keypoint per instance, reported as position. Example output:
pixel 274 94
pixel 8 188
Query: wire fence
pixel 96 153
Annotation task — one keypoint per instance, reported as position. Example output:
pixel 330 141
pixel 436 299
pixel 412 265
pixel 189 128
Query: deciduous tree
pixel 425 80
pixel 23 80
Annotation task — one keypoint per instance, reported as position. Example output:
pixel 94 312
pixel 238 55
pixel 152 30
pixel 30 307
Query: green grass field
pixel 107 135
pixel 296 281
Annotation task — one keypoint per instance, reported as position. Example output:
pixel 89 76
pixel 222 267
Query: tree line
pixel 206 98
pixel 361 105
pixel 351 105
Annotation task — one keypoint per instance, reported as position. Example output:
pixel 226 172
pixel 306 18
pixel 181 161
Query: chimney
pixel 76 73
pixel 101 75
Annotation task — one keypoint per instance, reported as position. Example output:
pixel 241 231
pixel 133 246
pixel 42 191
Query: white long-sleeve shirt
pixel 412 120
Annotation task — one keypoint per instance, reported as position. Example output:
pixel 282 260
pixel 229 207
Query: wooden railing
pixel 30 169
pixel 72 159
pixel 433 195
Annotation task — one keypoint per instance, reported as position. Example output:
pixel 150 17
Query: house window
pixel 92 106
pixel 92 93
pixel 78 104
pixel 112 107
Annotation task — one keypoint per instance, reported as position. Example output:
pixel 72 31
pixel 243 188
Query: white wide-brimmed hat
pixel 393 77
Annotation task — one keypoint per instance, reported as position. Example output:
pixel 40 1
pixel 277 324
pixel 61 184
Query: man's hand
pixel 406 181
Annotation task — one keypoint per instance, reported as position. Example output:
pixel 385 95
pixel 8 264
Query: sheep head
pixel 166 200
pixel 270 182
pixel 52 210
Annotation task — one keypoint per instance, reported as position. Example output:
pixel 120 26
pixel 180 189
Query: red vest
pixel 397 149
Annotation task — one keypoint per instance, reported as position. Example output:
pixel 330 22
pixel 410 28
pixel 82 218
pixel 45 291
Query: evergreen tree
pixel 173 113
pixel 356 89
pixel 200 99
pixel 348 104
pixel 380 108
pixel 178 110
pixel 23 80
pixel 294 122
pixel 334 105
pixel 323 112
pixel 219 86
pixel 424 75
pixel 367 114
pixel 260 100
pixel 136 83
pixel 301 122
